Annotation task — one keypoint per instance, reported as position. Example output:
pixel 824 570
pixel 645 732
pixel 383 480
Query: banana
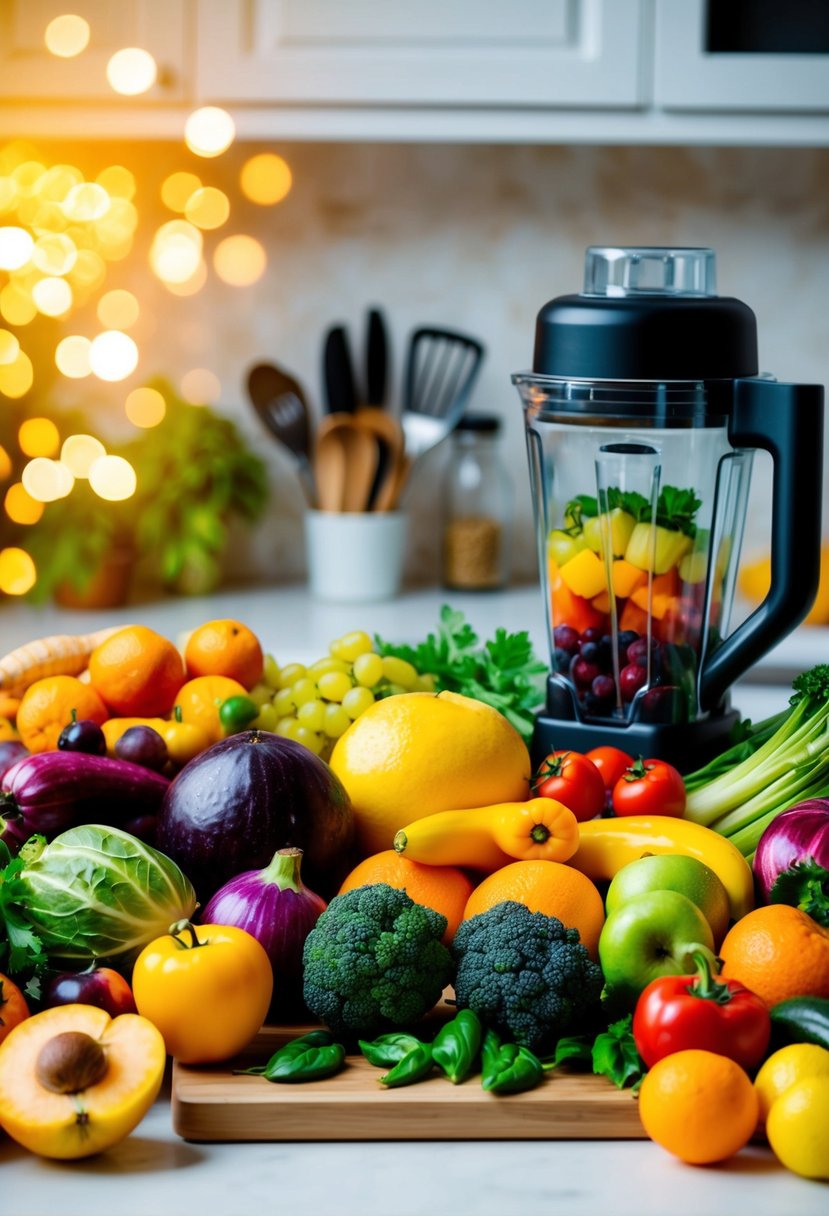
pixel 606 845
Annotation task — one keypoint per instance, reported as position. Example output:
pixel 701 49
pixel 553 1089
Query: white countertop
pixel 154 1171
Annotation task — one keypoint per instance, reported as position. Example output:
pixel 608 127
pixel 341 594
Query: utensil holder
pixel 355 557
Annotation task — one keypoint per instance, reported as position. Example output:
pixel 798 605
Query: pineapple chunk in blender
pixel 620 525
pixel 584 574
pixel 694 567
pixel 652 547
pixel 561 546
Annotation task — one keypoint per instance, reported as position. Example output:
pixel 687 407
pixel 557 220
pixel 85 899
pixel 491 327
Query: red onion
pixel 276 908
pixel 796 837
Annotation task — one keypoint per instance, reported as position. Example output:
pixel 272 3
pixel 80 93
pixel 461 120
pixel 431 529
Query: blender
pixel 642 412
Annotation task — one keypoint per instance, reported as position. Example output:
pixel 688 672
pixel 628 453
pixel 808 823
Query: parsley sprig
pixel 504 672
pixel 21 951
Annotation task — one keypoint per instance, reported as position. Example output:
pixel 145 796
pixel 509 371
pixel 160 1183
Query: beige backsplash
pixel 475 237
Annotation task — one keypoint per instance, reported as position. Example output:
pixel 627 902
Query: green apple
pixel 674 872
pixel 652 934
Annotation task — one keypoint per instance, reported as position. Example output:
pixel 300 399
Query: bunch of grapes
pixel 315 704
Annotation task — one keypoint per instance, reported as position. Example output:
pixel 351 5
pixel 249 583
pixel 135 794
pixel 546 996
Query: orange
pixel 201 699
pixel 549 887
pixel 418 753
pixel 225 648
pixel 778 952
pixel 137 672
pixel 700 1106
pixel 444 888
pixel 47 705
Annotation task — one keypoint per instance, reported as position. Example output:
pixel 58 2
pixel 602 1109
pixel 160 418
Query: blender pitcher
pixel 642 412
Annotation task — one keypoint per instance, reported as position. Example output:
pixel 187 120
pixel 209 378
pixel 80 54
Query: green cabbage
pixel 99 893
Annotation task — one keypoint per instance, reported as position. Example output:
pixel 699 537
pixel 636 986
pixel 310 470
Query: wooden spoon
pixel 345 463
pixel 389 434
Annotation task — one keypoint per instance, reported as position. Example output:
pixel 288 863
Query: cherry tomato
pixel 207 988
pixel 611 762
pixel 650 787
pixel 572 779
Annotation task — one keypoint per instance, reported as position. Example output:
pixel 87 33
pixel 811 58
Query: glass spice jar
pixel 477 508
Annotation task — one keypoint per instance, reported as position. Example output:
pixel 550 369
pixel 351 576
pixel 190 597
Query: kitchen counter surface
pixel 155 1171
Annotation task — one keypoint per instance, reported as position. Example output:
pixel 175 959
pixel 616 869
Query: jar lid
pixel 482 424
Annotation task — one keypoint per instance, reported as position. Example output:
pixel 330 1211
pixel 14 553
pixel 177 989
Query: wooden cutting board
pixel 211 1104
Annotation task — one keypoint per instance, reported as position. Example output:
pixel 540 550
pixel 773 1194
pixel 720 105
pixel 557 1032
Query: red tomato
pixel 650 787
pixel 611 762
pixel 572 779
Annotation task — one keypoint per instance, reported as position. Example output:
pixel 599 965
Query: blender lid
pixel 646 313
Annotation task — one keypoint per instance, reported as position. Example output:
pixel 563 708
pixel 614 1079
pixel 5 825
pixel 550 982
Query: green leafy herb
pixel 504 672
pixel 21 951
pixel 675 508
pixel 612 1054
pixel 805 885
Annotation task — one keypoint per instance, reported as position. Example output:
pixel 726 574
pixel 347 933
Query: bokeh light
pixel 89 270
pixel 265 179
pixel 17 378
pixel 6 466
pixel 54 253
pixel 207 208
pixel 16 246
pixel 86 201
pixel 28 175
pixel 8 193
pixel 131 71
pixel 9 347
pixel 72 357
pixel 113 355
pixel 145 407
pixel 67 35
pixel 20 507
pixel 118 309
pixel 200 386
pixel 178 188
pixel 17 306
pixel 79 452
pixel 47 480
pixel 18 573
pixel 192 285
pixel 113 478
pixel 117 181
pixel 53 297
pixel 176 251
pixel 209 131
pixel 239 260
pixel 38 437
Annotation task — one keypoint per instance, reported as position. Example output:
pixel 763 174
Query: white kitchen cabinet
pixel 29 72
pixel 691 75
pixel 446 53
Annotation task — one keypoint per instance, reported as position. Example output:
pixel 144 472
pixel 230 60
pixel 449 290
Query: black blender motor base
pixel 685 745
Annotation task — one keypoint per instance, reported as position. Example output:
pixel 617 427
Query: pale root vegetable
pixel 62 654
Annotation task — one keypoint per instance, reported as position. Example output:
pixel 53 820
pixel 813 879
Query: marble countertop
pixel 155 1171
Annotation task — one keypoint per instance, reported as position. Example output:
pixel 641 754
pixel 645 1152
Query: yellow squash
pixel 606 845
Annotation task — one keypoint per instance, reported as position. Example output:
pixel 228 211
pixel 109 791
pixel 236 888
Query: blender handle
pixel 785 420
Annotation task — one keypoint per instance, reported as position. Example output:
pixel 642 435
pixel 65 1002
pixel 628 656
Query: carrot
pixel 60 654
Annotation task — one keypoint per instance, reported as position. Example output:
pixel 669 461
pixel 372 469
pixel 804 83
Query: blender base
pixel 687 745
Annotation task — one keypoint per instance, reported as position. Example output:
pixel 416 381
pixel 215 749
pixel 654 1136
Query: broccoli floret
pixel 374 959
pixel 524 974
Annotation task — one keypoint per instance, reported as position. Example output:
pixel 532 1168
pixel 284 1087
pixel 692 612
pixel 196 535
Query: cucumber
pixel 801 1019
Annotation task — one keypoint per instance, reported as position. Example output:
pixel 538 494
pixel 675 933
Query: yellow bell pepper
pixel 584 574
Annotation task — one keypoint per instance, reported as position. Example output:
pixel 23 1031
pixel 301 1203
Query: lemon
pixel 417 753
pixel 785 1068
pixel 797 1127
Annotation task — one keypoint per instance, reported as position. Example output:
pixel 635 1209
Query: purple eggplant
pixel 11 750
pixel 51 791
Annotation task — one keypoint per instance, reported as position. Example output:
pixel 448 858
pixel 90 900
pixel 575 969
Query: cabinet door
pixel 692 74
pixel 29 70
pixel 429 53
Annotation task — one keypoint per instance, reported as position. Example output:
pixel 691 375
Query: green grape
pixel 425 683
pixel 267 718
pixel 368 669
pixel 399 671
pixel 351 645
pixel 285 726
pixel 304 690
pixel 311 714
pixel 322 666
pixel 260 694
pixel 284 703
pixel 271 672
pixel 334 685
pixel 335 721
pixel 309 738
pixel 289 674
pixel 357 701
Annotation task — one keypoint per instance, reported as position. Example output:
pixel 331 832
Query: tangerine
pixel 443 888
pixel 137 672
pixel 416 753
pixel 778 952
pixel 700 1106
pixel 550 887
pixel 48 705
pixel 225 648
pixel 200 700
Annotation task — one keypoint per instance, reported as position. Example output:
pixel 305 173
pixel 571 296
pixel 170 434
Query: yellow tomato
pixel 207 988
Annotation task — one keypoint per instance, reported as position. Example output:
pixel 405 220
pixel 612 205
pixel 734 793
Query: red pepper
pixel 678 1012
